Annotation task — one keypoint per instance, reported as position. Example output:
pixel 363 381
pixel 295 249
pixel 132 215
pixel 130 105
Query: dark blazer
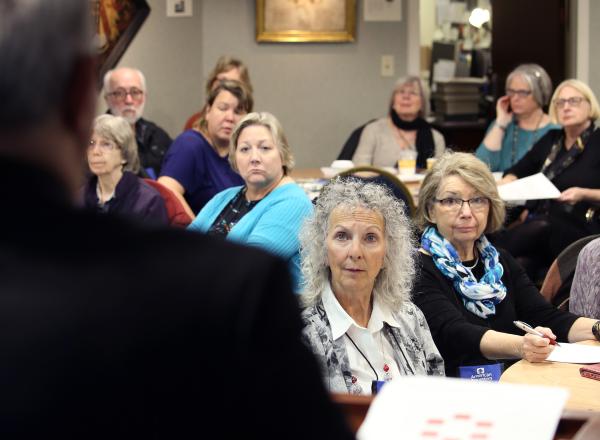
pixel 206 341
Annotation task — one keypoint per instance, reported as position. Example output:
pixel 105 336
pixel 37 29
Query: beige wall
pixel 320 92
pixel 594 38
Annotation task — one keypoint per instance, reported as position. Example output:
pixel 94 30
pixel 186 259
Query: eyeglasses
pixel 520 93
pixel 454 204
pixel 121 94
pixel 573 101
pixel 403 92
pixel 104 145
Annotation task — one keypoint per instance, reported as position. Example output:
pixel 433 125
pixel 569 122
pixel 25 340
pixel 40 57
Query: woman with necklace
pixel 114 188
pixel 469 290
pixel 358 263
pixel 570 158
pixel 268 210
pixel 384 141
pixel 520 119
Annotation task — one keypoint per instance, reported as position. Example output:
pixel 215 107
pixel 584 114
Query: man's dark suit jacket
pixel 108 330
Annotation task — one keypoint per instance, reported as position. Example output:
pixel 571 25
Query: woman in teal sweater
pixel 520 119
pixel 270 208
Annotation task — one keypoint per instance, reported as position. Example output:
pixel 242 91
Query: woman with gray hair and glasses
pixel 114 187
pixel 520 119
pixel 357 261
pixel 404 132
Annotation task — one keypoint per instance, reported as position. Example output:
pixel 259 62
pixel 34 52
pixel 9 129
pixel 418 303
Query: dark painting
pixel 116 23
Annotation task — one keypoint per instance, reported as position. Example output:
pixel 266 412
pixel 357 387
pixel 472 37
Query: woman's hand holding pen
pixel 536 348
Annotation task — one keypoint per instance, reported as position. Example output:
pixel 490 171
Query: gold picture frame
pixel 305 21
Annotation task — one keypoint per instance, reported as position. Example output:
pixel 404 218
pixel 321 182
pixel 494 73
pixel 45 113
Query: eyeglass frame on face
pixel 404 92
pixel 521 93
pixel 456 207
pixel 121 94
pixel 573 101
pixel 104 145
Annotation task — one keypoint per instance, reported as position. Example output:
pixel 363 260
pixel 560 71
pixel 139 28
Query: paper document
pixel 529 188
pixel 575 354
pixel 413 407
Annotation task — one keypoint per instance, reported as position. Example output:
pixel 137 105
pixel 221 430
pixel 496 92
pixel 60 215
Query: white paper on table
pixel 575 354
pixel 413 407
pixel 529 188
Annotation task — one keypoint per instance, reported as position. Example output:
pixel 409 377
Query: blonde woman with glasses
pixel 470 291
pixel 570 158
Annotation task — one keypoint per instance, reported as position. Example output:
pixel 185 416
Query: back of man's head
pixel 40 41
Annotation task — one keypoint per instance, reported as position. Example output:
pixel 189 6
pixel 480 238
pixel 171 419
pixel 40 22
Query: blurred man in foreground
pixel 111 331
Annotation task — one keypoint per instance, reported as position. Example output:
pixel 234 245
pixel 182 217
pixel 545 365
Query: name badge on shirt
pixel 491 372
pixel 376 385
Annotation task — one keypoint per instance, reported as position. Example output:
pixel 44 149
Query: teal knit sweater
pixel 273 224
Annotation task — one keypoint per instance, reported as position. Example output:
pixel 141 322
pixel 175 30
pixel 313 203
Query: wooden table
pixel 584 393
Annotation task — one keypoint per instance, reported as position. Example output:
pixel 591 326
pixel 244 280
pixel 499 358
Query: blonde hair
pixel 475 173
pixel 582 88
pixel 118 130
pixel 271 123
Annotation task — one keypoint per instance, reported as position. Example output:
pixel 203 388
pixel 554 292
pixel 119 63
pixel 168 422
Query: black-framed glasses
pixel 522 93
pixel 121 94
pixel 573 101
pixel 454 204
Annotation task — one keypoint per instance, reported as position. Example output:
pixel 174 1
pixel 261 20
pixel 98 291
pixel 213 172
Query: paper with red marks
pixel 433 408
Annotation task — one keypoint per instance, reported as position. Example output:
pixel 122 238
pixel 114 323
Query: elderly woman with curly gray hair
pixel 357 261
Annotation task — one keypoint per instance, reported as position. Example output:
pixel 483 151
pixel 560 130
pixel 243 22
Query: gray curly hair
pixel 394 281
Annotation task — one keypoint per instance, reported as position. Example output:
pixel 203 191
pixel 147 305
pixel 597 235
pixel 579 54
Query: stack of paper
pixel 443 408
pixel 529 188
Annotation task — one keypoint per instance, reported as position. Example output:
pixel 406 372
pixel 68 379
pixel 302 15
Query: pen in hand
pixel 529 329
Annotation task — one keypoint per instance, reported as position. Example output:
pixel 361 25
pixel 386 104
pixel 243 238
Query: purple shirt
pixel 198 168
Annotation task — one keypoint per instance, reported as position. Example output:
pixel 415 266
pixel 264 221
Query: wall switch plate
pixel 387 65
pixel 179 8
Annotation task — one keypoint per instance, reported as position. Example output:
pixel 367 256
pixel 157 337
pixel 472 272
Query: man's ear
pixel 79 106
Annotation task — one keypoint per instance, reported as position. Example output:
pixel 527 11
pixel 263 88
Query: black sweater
pixel 458 332
pixel 568 223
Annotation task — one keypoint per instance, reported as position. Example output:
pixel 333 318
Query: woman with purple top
pixel 196 166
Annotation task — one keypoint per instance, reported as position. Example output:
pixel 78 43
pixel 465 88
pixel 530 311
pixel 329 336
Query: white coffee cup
pixel 342 164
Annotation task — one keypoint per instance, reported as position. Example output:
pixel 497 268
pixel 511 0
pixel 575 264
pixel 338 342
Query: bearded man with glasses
pixel 125 96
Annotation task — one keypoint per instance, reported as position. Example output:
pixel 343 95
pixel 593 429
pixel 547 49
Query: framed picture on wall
pixel 116 23
pixel 305 21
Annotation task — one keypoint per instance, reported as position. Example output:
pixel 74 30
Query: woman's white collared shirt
pixel 371 341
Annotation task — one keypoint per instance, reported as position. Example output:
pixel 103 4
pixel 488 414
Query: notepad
pixel 424 408
pixel 575 354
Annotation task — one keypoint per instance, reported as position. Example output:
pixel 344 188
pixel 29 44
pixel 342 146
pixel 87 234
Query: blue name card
pixel 490 372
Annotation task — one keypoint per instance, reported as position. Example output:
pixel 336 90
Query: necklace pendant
pixel 387 374
pixel 355 388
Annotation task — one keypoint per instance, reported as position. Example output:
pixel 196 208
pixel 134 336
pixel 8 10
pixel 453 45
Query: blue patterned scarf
pixel 479 297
